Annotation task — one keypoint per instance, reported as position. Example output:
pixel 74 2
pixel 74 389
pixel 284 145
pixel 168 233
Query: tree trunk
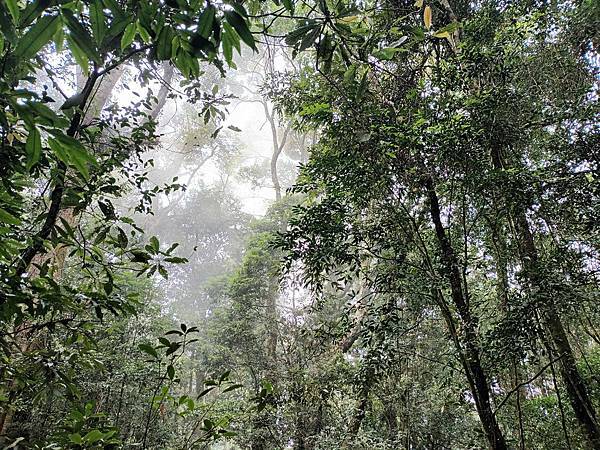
pixel 576 388
pixel 468 348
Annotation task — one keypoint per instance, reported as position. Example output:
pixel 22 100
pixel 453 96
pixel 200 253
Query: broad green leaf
pixel 76 438
pixel 451 27
pixel 205 22
pixel 59 150
pixel 233 37
pixel 238 7
pixel 241 28
pixel 8 28
pixel 7 217
pixel 81 159
pixel 163 46
pixel 295 36
pixel 201 44
pixel 93 436
pixel 176 260
pixel 128 36
pixel 59 39
pixel 70 151
pixel 289 5
pixel 175 43
pixel 33 146
pixel 81 37
pixel 140 256
pixel 80 57
pixel 143 33
pixel 33 10
pixel 43 112
pixel 115 8
pixel 147 348
pixel 37 36
pixel 227 48
pixel 155 244
pixel 183 62
pixel 173 348
pixel 309 39
pixel 386 53
pixel 171 372
pixel 117 27
pixel 97 21
pixel 13 8
pixel 163 273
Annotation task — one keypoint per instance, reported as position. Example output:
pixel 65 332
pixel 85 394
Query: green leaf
pixel 117 27
pixel 70 151
pixel 171 372
pixel 140 256
pixel 205 22
pixel 115 8
pixel 81 37
pixel 442 34
pixel 33 146
pixel 310 39
pixel 386 53
pixel 241 28
pixel 173 348
pixel 232 387
pixel 200 43
pixel 80 57
pixel 46 113
pixel 33 11
pixel 143 33
pixel 7 217
pixel 238 7
pixel 93 436
pixel 295 36
pixel 232 37
pixel 76 438
pixel 224 376
pixel 59 39
pixel 13 8
pixel 176 260
pixel 289 5
pixel 97 21
pixel 155 244
pixel 227 48
pixel 128 36
pixel 37 36
pixel 205 391
pixel 163 46
pixel 8 29
pixel 147 348
pixel 184 62
pixel 163 272
pixel 58 150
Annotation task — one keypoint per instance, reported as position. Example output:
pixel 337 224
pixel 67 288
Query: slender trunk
pixel 277 148
pixel 575 385
pixel 360 413
pixel 468 349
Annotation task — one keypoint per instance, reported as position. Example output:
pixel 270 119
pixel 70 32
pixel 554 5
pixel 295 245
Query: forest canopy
pixel 298 224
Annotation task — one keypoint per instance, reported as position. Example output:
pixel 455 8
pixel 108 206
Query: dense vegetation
pixel 424 275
